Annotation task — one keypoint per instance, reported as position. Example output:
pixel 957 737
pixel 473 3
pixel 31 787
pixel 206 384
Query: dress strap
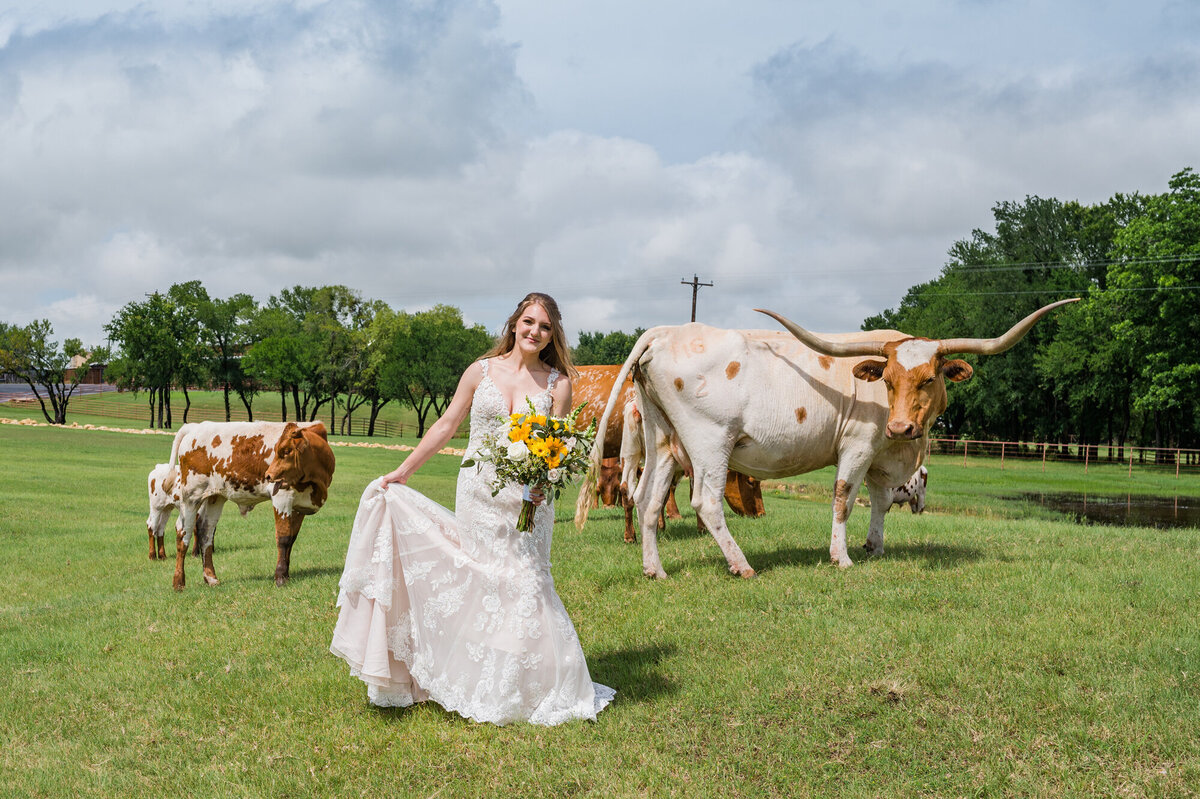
pixel 554 374
pixel 483 364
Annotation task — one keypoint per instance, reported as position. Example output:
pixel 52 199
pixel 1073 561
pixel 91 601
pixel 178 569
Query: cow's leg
pixel 881 502
pixel 708 499
pixel 155 539
pixel 206 535
pixel 185 528
pixel 156 526
pixel 654 487
pixel 651 493
pixel 627 504
pixel 670 507
pixel 287 527
pixel 700 528
pixel 850 473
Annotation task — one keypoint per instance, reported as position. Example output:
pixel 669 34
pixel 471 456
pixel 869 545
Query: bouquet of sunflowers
pixel 532 449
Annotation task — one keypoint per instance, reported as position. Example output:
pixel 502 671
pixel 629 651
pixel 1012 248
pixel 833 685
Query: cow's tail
pixel 183 431
pixel 588 492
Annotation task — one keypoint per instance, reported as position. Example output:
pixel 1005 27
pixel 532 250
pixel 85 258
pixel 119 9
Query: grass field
pixel 986 654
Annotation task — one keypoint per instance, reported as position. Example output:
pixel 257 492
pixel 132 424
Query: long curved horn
pixel 837 349
pixel 993 346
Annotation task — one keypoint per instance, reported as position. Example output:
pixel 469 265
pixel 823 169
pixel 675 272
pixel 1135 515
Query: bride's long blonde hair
pixel 555 354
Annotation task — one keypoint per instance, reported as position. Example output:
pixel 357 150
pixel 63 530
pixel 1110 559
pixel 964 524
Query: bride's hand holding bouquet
pixel 532 449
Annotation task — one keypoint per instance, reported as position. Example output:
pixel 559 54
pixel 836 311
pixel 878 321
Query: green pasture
pixel 987 653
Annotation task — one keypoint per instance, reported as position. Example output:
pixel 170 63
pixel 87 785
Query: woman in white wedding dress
pixel 460 608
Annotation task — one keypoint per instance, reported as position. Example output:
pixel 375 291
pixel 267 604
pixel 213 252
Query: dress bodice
pixel 489 409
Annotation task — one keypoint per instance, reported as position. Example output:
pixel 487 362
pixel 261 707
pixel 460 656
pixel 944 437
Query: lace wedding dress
pixel 462 609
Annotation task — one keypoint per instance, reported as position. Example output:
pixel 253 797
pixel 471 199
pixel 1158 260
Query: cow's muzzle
pixel 903 431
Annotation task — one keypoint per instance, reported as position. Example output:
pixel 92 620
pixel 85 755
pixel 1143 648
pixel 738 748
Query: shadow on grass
pixel 315 571
pixel 268 574
pixel 933 556
pixel 634 673
pixel 937 556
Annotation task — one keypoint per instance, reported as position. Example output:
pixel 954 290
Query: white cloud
pixel 466 151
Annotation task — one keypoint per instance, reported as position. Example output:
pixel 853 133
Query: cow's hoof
pixel 655 574
pixel 631 539
pixel 178 585
pixel 873 549
pixel 842 564
pixel 280 582
pixel 745 573
pixel 211 579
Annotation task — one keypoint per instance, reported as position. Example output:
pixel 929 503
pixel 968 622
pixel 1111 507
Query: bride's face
pixel 533 330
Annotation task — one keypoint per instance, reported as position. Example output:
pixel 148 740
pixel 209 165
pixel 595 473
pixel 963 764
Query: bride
pixel 460 607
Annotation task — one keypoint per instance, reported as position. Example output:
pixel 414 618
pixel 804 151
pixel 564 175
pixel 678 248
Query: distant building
pixel 95 371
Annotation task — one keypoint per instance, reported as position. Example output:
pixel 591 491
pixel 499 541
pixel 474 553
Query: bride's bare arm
pixel 562 397
pixel 441 431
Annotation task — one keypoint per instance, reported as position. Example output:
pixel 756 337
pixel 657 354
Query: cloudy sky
pixel 814 158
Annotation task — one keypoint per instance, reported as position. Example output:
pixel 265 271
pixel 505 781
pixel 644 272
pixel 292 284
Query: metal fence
pixel 1176 459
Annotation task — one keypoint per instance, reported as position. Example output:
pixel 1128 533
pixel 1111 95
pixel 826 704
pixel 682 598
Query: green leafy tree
pixel 279 355
pixel 223 335
pixel 155 339
pixel 427 355
pixel 605 348
pixel 297 334
pixel 28 354
pixel 1151 297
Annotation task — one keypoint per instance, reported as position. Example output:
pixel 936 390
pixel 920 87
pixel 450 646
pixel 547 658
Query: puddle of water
pixel 1132 510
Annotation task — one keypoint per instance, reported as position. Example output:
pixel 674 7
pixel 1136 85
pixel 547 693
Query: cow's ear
pixel 957 370
pixel 869 370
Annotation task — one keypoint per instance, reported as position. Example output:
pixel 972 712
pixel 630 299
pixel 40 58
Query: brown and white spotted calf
pixel 288 464
pixel 912 493
pixel 160 485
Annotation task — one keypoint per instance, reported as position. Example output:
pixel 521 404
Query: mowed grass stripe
pixel 982 655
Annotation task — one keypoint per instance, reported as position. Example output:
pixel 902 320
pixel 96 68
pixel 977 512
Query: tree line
pixel 318 350
pixel 314 348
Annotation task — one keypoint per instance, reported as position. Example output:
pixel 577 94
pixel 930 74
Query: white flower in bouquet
pixel 517 451
pixel 554 475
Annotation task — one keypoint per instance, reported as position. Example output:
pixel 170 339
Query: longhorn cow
pixel 774 404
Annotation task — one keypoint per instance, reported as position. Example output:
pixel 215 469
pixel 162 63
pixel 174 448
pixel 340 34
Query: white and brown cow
pixel 160 485
pixel 774 404
pixel 288 464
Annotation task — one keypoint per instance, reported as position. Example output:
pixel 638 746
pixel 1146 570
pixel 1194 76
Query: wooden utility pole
pixel 695 284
